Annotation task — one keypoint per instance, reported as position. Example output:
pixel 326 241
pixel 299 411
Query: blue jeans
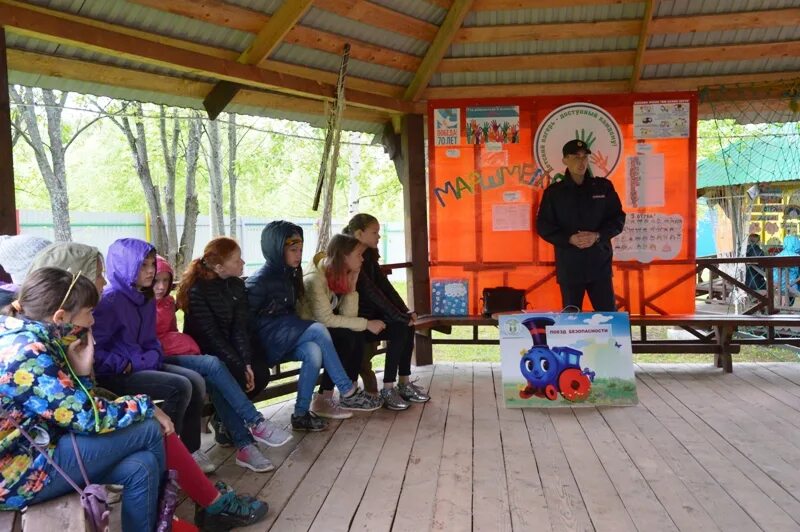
pixel 132 457
pixel 314 349
pixel 232 405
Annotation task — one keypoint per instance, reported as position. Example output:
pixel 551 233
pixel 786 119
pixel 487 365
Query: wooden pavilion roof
pixel 284 54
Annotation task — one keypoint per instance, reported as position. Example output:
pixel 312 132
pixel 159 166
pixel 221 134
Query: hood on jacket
pixel 125 257
pixel 791 245
pixel 163 266
pixel 273 238
pixel 69 256
pixel 17 253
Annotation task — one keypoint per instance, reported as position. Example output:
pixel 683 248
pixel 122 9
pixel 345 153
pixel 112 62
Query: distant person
pixel 753 278
pixel 378 300
pixel 273 292
pixel 331 299
pixel 579 216
pixel 786 278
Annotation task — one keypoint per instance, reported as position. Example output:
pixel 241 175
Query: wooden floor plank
pixel 771 383
pixel 453 507
pixel 602 500
pixel 790 372
pixel 642 504
pixel 377 509
pixel 726 512
pixel 760 496
pixel 565 505
pixel 418 494
pixel 526 500
pixel 684 510
pixel 345 496
pixel 489 487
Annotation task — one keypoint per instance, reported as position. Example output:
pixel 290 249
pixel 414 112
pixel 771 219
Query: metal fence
pixel 101 229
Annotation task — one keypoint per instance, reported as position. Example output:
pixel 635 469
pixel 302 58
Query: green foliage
pixel 277 166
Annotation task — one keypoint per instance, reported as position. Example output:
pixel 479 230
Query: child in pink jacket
pixel 172 341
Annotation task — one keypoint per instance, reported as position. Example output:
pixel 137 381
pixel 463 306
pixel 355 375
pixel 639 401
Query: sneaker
pixel 329 407
pixel 204 462
pixel 392 400
pixel 225 488
pixel 412 393
pixel 251 458
pixel 229 511
pixel 221 435
pixel 270 434
pixel 360 401
pixel 309 422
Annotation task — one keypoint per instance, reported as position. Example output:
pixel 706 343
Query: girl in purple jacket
pixel 128 357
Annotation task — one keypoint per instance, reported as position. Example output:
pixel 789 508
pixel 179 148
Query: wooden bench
pixel 720 340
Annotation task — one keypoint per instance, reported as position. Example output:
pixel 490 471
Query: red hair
pixel 217 251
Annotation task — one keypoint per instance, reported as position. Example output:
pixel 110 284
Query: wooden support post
pixel 8 209
pixel 415 202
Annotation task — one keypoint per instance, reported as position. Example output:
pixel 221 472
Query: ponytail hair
pixel 217 251
pixel 44 290
pixel 359 222
pixel 339 247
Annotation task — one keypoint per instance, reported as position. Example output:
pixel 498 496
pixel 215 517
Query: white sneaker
pixel 329 407
pixel 204 462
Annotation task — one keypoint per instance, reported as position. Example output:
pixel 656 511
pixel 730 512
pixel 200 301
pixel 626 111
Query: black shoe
pixel 224 488
pixel 229 511
pixel 309 422
pixel 221 435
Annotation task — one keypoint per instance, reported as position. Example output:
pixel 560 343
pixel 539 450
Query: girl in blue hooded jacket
pixel 273 292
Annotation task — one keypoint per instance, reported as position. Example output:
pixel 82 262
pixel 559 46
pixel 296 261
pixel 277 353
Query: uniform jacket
pixel 791 248
pixel 38 388
pixel 272 296
pixel 567 208
pixel 125 320
pixel 217 318
pixel 322 305
pixel 172 341
pixel 377 298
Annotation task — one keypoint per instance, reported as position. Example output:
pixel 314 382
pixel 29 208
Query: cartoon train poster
pixel 567 360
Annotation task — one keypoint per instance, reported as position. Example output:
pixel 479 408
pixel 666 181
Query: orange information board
pixel 490 160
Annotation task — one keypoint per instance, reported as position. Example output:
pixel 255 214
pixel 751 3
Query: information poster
pixel 661 119
pixel 644 179
pixel 511 217
pixel 499 124
pixel 649 236
pixel 568 359
pixel 448 126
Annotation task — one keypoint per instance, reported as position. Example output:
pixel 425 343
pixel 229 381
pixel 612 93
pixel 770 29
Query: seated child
pixel 172 341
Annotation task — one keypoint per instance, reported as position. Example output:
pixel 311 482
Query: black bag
pixel 503 299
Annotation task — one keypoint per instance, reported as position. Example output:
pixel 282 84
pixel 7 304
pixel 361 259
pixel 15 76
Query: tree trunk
pixel 170 148
pixel 138 144
pixel 232 173
pixel 215 180
pixel 191 207
pixel 55 173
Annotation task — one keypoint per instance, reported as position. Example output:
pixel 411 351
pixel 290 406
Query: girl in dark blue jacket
pixel 273 292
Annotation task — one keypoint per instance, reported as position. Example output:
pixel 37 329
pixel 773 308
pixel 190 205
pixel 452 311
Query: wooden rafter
pixel 117 77
pixel 251 21
pixel 644 36
pixel 547 32
pixel 437 49
pixel 356 83
pixel 265 42
pixel 54 29
pixel 504 5
pixel 727 52
pixel 726 21
pixel 537 61
pixel 380 17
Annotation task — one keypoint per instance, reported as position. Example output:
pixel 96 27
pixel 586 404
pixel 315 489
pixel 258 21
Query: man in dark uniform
pixel 580 215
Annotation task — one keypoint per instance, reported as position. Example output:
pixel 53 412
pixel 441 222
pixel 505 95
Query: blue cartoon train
pixel 552 370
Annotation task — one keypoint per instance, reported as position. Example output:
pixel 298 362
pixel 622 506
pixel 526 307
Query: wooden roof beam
pixel 437 49
pixel 35 23
pixel 726 21
pixel 644 36
pixel 728 52
pixel 537 61
pixel 265 42
pixel 505 5
pixel 251 21
pixel 113 76
pixel 380 17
